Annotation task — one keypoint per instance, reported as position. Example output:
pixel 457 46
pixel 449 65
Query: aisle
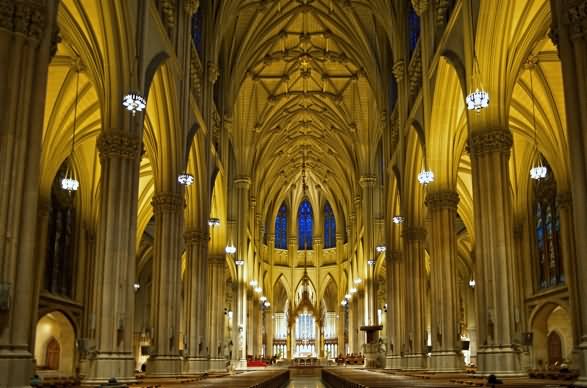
pixel 305 382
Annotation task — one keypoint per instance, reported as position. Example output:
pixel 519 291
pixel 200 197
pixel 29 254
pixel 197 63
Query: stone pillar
pixel 415 273
pixel 569 33
pixel 216 284
pixel 269 323
pixel 567 244
pixel 242 192
pixel 166 285
pixel 445 318
pixel 27 29
pixel 394 316
pixel 341 292
pixel 196 359
pixel 370 302
pixel 494 251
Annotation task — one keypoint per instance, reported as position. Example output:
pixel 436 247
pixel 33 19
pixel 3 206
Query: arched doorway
pixel 53 354
pixel 555 349
pixel 55 345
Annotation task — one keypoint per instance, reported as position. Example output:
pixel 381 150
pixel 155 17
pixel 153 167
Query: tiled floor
pixel 305 382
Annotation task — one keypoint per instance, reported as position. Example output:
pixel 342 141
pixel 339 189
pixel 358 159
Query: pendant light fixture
pixel 539 171
pixel 69 182
pixel 478 97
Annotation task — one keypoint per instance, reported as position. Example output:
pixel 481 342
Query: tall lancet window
pixel 547 232
pixel 305 225
pixel 281 228
pixel 329 227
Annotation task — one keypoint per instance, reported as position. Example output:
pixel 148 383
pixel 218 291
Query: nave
pixel 193 188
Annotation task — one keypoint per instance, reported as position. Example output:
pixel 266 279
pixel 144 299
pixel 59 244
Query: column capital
pixel 118 144
pixel 292 241
pixel 194 236
pixel 339 236
pixel 367 180
pixel 442 199
pixel 167 203
pixel 242 182
pixel 398 70
pixel 27 18
pixel 420 6
pixel 216 259
pixel 565 199
pixel 490 141
pixel 414 233
pixel 357 200
pixel 577 16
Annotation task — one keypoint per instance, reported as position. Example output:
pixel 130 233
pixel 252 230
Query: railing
pixel 277 380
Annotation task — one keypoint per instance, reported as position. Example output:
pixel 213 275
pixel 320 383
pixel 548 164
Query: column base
pixel 240 364
pixel 393 362
pixel 415 361
pixel 217 365
pixel 17 368
pixel 195 365
pixel 580 362
pixel 446 362
pixel 499 361
pixel 164 365
pixel 104 366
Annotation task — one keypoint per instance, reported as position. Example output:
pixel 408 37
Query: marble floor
pixel 305 382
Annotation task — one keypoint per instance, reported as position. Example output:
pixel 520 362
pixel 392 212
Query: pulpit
pixel 371 347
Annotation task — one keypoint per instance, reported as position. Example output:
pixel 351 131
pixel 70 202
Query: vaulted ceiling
pixel 305 83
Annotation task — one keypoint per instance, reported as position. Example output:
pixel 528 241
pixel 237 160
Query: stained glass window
pixel 197 30
pixel 329 227
pixel 413 29
pixel 547 233
pixel 305 225
pixel 281 228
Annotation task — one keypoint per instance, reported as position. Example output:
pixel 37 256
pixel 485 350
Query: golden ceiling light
pixel 69 182
pixel 539 171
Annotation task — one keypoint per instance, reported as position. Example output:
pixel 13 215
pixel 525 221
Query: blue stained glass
pixel 305 225
pixel 413 29
pixel 281 228
pixel 197 30
pixel 329 227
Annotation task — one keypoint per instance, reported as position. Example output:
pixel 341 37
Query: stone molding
pixel 490 141
pixel 577 16
pixel 167 203
pixel 444 199
pixel 192 237
pixel 414 233
pixel 27 18
pixel 398 70
pixel 114 144
pixel 216 260
pixel 367 181
pixel 242 182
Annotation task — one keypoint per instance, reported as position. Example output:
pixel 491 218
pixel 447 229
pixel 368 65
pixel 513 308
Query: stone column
pixel 445 322
pixel 166 285
pixel 341 292
pixel 270 325
pixel 415 305
pixel 216 271
pixel 569 33
pixel 395 317
pixel 567 244
pixel 114 272
pixel 242 192
pixel 494 251
pixel 370 300
pixel 196 243
pixel 27 29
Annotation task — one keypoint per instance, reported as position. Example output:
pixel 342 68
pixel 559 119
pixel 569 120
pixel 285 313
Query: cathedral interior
pixel 191 187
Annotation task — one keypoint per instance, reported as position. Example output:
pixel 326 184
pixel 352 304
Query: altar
pixel 306 361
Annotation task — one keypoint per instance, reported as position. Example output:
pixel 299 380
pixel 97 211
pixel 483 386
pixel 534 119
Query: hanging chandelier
pixel 230 249
pixel 478 98
pixel 239 262
pixel 371 261
pixel 536 172
pixel 425 177
pixel 185 179
pixel 380 248
pixel 134 102
pixel 213 222
pixel 397 220
pixel 69 182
